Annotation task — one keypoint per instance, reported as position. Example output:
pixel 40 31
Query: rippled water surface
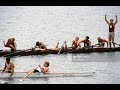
pixel 52 24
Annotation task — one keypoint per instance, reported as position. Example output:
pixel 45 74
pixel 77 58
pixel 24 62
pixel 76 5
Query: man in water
pixel 111 30
pixel 9 67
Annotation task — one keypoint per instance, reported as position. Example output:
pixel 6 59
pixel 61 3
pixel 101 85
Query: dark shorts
pixel 35 70
pixel 12 49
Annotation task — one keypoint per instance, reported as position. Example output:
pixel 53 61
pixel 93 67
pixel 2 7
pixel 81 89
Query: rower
pixel 75 43
pixel 111 30
pixel 102 42
pixel 39 46
pixel 86 42
pixel 9 67
pixel 10 45
pixel 13 44
pixel 42 69
pixel 7 46
pixel 42 46
pixel 38 68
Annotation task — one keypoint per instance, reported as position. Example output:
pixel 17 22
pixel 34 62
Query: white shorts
pixel 111 34
pixel 6 49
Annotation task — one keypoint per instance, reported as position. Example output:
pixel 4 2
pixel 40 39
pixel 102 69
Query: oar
pixel 2 69
pixel 91 46
pixel 28 73
pixel 61 48
pixel 116 44
pixel 1 81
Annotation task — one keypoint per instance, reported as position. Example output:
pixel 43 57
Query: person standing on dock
pixel 111 30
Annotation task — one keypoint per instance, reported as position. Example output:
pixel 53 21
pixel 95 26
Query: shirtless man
pixel 102 42
pixel 86 42
pixel 111 30
pixel 9 67
pixel 39 46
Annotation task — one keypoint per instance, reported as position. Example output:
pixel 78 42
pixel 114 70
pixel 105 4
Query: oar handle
pixel 61 48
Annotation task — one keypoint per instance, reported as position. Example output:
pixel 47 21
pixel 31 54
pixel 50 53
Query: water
pixel 51 24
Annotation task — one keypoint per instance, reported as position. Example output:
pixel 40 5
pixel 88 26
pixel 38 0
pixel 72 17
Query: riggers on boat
pixel 49 51
pixel 48 74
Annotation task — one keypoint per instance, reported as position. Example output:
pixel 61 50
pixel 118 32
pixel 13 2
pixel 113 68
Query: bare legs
pixel 111 40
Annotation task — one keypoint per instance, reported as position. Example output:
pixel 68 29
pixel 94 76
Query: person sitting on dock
pixel 10 45
pixel 102 42
pixel 9 67
pixel 86 41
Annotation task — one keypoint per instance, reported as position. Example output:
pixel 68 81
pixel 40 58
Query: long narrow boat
pixel 49 74
pixel 49 51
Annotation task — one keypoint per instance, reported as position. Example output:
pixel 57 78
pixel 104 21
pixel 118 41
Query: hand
pixel 3 41
pixel 39 65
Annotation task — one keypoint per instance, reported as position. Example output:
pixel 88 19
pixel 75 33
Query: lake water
pixel 52 24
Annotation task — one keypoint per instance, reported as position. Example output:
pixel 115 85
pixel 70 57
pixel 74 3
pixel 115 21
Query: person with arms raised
pixel 111 30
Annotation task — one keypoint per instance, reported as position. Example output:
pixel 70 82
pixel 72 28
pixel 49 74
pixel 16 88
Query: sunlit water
pixel 52 24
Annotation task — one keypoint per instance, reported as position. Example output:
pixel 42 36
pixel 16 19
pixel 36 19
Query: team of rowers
pixel 76 44
pixel 9 68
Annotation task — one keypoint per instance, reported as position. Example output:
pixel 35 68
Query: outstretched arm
pixel 116 20
pixel 4 42
pixel 106 19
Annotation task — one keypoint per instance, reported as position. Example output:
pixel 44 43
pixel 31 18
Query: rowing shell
pixel 49 51
pixel 49 74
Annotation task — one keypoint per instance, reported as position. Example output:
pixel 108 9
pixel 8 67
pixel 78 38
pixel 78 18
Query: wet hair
pixel 9 40
pixel 77 38
pixel 87 37
pixel 13 39
pixel 99 39
pixel 111 20
pixel 47 63
pixel 8 59
pixel 37 43
pixel 40 43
